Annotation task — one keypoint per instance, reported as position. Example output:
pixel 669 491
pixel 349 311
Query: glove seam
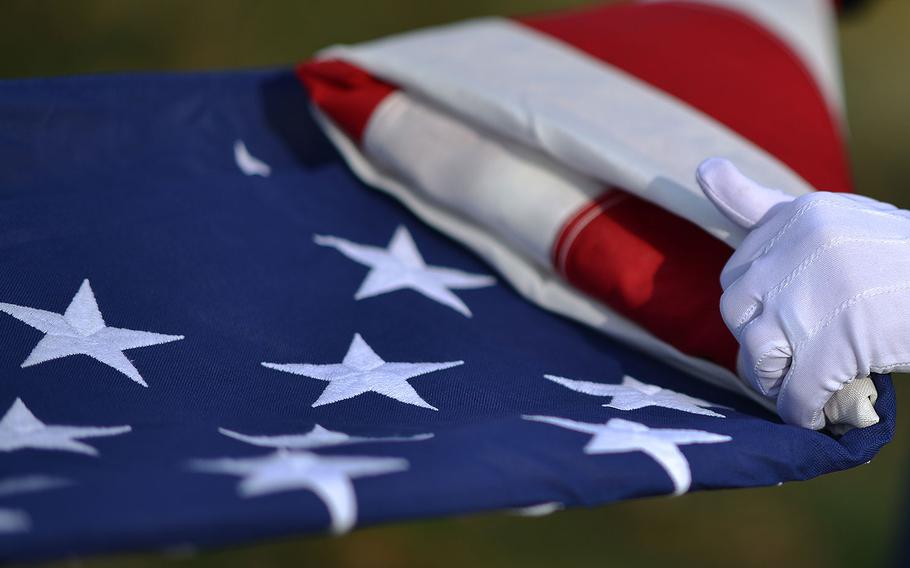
pixel 845 305
pixel 881 370
pixel 809 206
pixel 806 263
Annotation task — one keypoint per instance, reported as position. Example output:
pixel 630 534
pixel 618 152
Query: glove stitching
pixel 872 292
pixel 758 363
pixel 747 316
pixel 888 368
pixel 740 331
pixel 796 216
pixel 811 205
pixel 849 303
pixel 806 263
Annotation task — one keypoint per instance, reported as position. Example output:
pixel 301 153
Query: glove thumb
pixel 739 198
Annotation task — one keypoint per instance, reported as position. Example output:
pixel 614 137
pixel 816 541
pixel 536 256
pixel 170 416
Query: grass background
pixel 843 519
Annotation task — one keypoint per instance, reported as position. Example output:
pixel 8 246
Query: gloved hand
pixel 818 295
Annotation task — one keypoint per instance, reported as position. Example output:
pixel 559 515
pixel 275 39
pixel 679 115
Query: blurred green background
pixel 852 518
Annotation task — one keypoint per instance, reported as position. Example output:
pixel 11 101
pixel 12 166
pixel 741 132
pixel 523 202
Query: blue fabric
pixel 130 181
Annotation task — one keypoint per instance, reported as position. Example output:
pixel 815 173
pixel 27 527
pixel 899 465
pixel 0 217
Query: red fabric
pixel 347 94
pixel 655 268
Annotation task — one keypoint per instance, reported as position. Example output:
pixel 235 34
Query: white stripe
pixel 591 117
pixel 535 282
pixel 562 254
pixel 517 193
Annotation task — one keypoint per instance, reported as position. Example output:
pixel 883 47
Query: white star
pixel 249 164
pixel 401 266
pixel 15 520
pixel 286 470
pixel 538 510
pixel 81 331
pixel 30 484
pixel 633 394
pixel 362 370
pixel 20 429
pixel 318 437
pixel 619 436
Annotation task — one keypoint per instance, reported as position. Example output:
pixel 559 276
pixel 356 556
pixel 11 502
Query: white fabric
pixel 318 437
pixel 400 266
pixel 620 436
pixel 249 164
pixel 363 371
pixel 848 407
pixel 633 394
pixel 30 484
pixel 817 294
pixel 497 182
pixel 81 330
pixel 15 520
pixel 539 510
pixel 590 116
pixel 329 477
pixel 20 429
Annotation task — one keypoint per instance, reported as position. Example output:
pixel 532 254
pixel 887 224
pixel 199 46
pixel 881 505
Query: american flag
pixel 214 332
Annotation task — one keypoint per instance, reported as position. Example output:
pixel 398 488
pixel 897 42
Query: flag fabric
pixel 214 333
pixel 562 148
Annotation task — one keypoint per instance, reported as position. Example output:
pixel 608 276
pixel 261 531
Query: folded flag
pixel 213 332
pixel 562 148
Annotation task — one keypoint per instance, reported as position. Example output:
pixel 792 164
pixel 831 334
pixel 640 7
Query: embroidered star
pixel 538 510
pixel 362 370
pixel 633 394
pixel 15 520
pixel 81 330
pixel 620 436
pixel 20 429
pixel 401 266
pixel 329 477
pixel 247 163
pixel 318 437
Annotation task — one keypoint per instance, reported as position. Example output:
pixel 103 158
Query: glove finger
pixel 740 303
pixel 811 223
pixel 765 355
pixel 867 333
pixel 741 199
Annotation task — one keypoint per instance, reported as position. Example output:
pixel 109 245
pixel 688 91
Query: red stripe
pixel 347 94
pixel 653 267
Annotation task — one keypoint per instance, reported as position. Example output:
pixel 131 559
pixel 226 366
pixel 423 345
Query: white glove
pixel 818 295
